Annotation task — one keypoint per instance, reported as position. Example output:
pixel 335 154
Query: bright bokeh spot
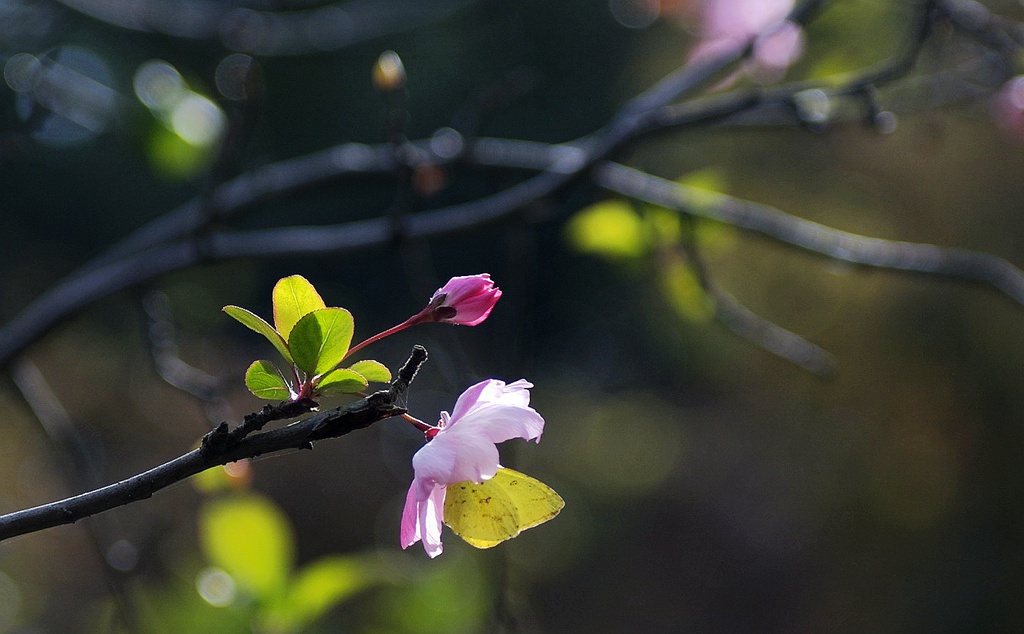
pixel 610 229
pixel 216 587
pixel 198 120
pixel 190 125
pixel 159 85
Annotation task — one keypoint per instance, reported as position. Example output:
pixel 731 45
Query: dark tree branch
pixel 218 448
pixel 840 245
pixel 182 238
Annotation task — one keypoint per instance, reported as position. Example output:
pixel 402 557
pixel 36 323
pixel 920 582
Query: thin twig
pixel 761 332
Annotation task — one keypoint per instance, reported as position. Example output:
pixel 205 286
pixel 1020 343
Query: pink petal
pixel 499 422
pixel 451 459
pixel 410 533
pixel 781 48
pixel 488 392
pixel 423 515
pixel 431 517
pixel 468 400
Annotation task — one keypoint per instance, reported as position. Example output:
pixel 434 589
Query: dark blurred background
pixel 709 486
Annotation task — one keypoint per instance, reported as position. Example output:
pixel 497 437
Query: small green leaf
pixel 294 297
pixel 372 370
pixel 341 381
pixel 255 322
pixel 250 539
pixel 265 380
pixel 611 229
pixel 317 588
pixel 320 340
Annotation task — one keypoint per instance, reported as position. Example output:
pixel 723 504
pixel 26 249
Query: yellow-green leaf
pixel 316 589
pixel 250 539
pixel 255 322
pixel 684 291
pixel 320 340
pixel 294 297
pixel 610 229
pixel 265 380
pixel 341 381
pixel 372 370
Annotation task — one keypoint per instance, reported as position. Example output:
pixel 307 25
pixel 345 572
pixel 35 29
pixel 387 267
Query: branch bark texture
pixel 219 447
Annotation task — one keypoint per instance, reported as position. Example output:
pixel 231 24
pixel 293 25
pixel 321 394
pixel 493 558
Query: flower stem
pixel 417 423
pixel 412 321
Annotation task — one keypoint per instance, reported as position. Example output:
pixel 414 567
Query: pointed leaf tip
pixel 294 297
pixel 256 323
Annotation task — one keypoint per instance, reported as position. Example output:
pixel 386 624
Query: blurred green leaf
pixel 317 588
pixel 416 609
pixel 265 380
pixel 341 381
pixel 293 297
pixel 320 339
pixel 251 540
pixel 371 370
pixel 611 229
pixel 173 157
pixel 684 291
pixel 258 324
pixel 172 608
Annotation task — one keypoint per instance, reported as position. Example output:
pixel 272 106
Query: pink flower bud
pixel 466 300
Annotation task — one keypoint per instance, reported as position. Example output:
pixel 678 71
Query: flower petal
pixel 423 515
pixel 471 296
pixel 431 518
pixel 491 391
pixel 450 459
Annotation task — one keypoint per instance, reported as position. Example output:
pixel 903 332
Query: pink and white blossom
pixel 462 448
pixel 725 24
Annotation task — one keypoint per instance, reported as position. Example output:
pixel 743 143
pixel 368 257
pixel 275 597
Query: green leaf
pixel 255 322
pixel 265 380
pixel 249 538
pixel 320 340
pixel 372 370
pixel 341 381
pixel 294 297
pixel 317 588
pixel 684 291
pixel 611 229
